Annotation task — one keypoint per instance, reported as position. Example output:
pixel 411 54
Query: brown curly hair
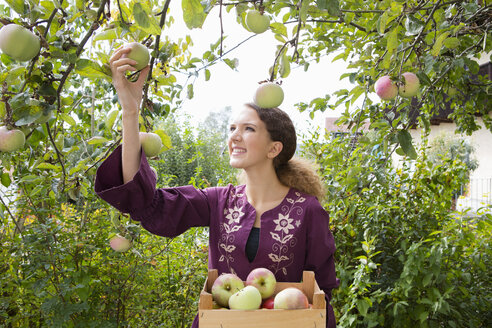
pixel 293 172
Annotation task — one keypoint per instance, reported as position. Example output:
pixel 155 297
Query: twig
pixel 59 155
pixel 221 28
pixel 156 49
pixel 19 228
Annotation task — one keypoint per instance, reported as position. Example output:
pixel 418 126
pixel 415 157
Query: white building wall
pixel 481 140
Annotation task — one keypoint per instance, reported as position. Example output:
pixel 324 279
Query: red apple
pixel 224 287
pixel 409 86
pixel 120 243
pixel 264 280
pixel 291 298
pixel 385 88
pixel 268 303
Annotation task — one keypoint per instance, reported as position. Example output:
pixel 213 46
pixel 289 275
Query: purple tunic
pixel 294 236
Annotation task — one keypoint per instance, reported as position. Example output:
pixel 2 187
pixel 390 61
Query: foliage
pixel 197 157
pixel 404 259
pixel 454 148
pixel 56 267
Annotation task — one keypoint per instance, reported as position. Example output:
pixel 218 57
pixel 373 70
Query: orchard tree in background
pixel 63 103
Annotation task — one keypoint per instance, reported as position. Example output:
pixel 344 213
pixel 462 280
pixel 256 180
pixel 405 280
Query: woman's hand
pixel 129 93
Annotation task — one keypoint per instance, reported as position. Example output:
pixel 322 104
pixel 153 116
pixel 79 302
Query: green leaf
pixel 166 140
pixel 207 74
pixel 452 43
pixel 17 5
pixel 48 166
pixel 68 119
pixel 382 21
pixel 304 10
pixel 413 25
pixel 145 19
pixel 5 179
pixel 279 28
pixel 193 13
pixel 363 305
pixel 332 6
pixel 392 42
pixel 31 178
pixel 232 63
pixel 190 92
pixel 97 140
pixel 405 140
pixel 110 118
pixel 109 34
pixel 436 48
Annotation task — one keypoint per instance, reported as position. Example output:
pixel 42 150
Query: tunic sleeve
pixel 165 212
pixel 320 255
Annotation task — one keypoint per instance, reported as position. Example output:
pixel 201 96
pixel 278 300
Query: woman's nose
pixel 235 135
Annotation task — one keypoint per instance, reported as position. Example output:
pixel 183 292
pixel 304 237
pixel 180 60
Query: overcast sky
pixel 228 87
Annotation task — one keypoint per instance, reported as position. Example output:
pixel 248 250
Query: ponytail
pixel 302 175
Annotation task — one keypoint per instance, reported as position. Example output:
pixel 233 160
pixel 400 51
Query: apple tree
pixel 62 102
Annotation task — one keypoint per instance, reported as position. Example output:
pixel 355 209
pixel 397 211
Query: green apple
pixel 120 243
pixel 257 22
pixel 151 143
pixel 248 298
pixel 268 95
pixel 139 53
pixel 224 287
pixel 11 140
pixel 18 42
pixel 410 85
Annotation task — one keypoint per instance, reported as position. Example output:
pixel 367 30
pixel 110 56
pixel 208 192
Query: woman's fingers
pixel 118 53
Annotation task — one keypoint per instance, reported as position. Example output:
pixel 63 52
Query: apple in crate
pixel 248 298
pixel 224 287
pixel 291 298
pixel 268 303
pixel 264 280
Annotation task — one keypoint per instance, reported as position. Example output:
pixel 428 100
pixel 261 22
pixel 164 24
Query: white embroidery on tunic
pixel 282 257
pixel 233 214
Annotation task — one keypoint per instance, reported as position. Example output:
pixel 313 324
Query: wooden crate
pixel 314 317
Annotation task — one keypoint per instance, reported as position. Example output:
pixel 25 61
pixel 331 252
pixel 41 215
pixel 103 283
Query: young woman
pixel 274 220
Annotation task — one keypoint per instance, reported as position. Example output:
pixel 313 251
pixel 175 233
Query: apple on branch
pixel 409 87
pixel 139 53
pixel 18 42
pixel 257 21
pixel 268 95
pixel 248 298
pixel 11 140
pixel 291 298
pixel 120 243
pixel 151 143
pixel 224 287
pixel 385 88
pixel 264 280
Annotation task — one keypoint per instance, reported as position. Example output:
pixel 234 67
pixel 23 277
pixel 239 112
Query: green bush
pixel 403 258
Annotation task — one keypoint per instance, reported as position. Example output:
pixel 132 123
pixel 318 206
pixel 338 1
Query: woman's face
pixel 249 141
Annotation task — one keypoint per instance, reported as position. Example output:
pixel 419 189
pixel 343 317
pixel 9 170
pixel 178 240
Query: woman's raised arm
pixel 130 98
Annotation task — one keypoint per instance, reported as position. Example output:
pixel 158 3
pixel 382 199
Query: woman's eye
pixel 250 128
pixel 231 129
